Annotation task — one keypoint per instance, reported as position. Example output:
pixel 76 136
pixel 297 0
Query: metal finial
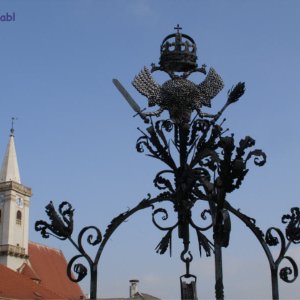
pixel 178 28
pixel 12 130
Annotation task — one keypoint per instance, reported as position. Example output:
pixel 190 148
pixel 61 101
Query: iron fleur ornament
pixel 203 164
pixel 61 226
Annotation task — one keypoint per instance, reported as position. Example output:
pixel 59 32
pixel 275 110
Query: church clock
pixel 20 202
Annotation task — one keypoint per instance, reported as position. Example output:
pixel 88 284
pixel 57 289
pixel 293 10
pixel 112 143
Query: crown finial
pixel 178 28
pixel 178 53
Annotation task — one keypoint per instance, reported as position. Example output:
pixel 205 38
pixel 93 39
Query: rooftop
pixel 42 277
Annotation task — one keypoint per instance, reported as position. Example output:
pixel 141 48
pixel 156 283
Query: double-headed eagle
pixel 178 95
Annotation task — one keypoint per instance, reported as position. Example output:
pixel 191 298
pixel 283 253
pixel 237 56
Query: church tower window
pixel 19 218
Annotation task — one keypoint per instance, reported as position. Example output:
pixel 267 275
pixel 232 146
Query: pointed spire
pixel 10 169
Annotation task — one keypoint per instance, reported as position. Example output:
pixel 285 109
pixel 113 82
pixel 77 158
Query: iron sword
pixel 129 99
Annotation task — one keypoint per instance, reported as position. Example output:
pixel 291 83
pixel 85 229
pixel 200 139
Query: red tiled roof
pixel 16 286
pixel 29 272
pixel 51 267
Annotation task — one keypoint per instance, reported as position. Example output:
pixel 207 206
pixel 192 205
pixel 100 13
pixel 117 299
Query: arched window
pixel 19 217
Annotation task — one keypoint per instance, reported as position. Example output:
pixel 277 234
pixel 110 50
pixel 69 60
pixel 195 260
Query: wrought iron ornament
pixel 178 95
pixel 204 163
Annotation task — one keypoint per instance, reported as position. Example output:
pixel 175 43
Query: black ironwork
pixel 203 163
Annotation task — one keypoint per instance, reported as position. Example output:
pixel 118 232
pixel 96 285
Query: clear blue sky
pixel 75 135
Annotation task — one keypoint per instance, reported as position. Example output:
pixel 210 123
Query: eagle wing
pixel 146 85
pixel 210 87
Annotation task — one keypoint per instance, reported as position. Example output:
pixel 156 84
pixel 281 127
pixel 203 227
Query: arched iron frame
pixel 203 164
pixel 198 182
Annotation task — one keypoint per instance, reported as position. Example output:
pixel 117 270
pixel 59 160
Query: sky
pixel 75 135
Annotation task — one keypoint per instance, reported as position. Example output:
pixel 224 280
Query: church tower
pixel 14 211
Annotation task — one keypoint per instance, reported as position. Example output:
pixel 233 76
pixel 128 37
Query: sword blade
pixel 127 96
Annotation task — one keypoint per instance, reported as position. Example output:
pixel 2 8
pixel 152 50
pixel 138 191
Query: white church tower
pixel 14 211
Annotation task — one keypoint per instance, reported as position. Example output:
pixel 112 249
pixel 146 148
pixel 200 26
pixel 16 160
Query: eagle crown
pixel 178 58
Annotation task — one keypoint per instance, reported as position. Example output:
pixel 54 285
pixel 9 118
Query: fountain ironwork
pixel 203 163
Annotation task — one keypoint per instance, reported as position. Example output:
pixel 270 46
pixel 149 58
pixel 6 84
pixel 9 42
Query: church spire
pixel 10 169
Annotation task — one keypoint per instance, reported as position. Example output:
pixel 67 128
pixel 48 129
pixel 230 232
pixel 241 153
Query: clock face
pixel 20 202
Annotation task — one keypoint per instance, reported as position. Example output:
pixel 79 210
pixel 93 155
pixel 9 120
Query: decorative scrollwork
pixel 60 227
pixel 78 269
pixel 271 240
pixel 286 272
pixel 203 216
pixel 204 163
pixel 162 125
pixel 166 241
pixel 204 213
pixel 91 239
pixel 232 171
pixel 293 228
pixel 156 143
pixel 203 186
pixel 205 146
pixel 218 157
pixel 245 143
pixel 162 183
pixel 164 217
pixel 198 126
pixel 141 142
pixel 168 125
pixel 144 142
pixel 260 157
